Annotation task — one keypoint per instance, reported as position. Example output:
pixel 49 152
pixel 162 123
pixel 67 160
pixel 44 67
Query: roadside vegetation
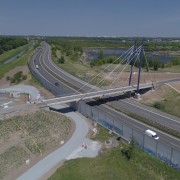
pixel 73 63
pixel 11 53
pixel 19 61
pixel 17 78
pixel 170 104
pixel 9 43
pixel 29 136
pixel 123 162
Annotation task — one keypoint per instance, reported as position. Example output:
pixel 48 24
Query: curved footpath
pixel 70 149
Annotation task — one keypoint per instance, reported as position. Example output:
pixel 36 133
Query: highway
pixel 141 110
pixel 132 106
pixel 46 75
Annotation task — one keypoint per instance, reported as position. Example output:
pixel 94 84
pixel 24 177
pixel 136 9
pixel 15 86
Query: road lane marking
pixel 151 111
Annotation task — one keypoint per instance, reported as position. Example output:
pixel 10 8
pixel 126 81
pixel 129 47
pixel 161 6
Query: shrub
pixel 128 151
pixel 7 78
pixel 158 105
pixel 61 60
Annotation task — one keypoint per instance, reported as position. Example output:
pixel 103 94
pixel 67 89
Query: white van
pixel 151 134
pixel 37 66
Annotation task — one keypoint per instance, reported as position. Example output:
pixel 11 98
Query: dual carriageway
pixel 67 87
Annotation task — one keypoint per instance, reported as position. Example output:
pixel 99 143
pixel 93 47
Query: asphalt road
pixel 168 139
pixel 132 106
pixel 139 109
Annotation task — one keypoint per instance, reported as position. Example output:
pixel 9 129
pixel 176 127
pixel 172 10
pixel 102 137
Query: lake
pixel 93 53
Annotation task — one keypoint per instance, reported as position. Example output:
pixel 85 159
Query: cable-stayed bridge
pixel 94 94
pixel 130 57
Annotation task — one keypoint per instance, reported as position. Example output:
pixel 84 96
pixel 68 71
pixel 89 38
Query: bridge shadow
pixel 104 100
pixel 63 110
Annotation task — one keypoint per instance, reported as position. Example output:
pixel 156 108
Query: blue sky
pixel 90 17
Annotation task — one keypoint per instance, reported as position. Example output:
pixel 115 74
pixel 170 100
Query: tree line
pixel 8 43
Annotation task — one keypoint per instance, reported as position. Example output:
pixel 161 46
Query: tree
pixel 101 55
pixel 156 65
pixel 61 60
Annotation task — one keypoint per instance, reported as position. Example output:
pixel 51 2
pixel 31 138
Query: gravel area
pixel 19 89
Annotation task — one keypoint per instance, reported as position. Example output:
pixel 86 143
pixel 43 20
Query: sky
pixel 122 18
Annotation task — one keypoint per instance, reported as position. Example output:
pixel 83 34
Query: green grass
pixel 102 135
pixel 21 61
pixel 113 165
pixel 11 53
pixel 171 103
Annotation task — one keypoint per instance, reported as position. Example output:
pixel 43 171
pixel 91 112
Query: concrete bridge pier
pixel 137 96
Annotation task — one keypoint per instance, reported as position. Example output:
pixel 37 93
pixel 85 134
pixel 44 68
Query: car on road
pixel 56 84
pixel 152 134
pixel 37 66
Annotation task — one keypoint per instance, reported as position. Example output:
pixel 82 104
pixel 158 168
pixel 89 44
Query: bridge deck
pixel 89 95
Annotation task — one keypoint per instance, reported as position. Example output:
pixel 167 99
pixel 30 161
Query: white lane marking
pixel 151 111
pixel 51 70
pixel 172 87
pixel 69 75
pixel 143 124
pixel 40 73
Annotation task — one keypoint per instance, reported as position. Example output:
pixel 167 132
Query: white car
pixel 151 133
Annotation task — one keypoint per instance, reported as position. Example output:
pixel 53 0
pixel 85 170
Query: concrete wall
pixel 153 147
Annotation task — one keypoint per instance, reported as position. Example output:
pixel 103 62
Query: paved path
pixel 46 164
pixel 17 89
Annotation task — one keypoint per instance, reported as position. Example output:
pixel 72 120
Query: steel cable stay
pixel 127 63
pixel 148 67
pixel 118 77
pixel 109 74
pixel 86 84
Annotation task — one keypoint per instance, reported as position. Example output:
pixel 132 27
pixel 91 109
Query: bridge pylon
pixel 132 63
pixel 137 95
pixel 140 65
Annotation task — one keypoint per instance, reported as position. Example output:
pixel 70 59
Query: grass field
pixel 18 62
pixel 11 53
pixel 29 136
pixel 167 98
pixel 111 164
pixel 170 104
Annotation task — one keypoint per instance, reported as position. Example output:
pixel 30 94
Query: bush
pixel 61 60
pixel 128 151
pixel 7 78
pixel 24 77
pixel 158 105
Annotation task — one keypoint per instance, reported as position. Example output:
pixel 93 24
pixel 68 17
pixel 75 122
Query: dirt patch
pixel 122 79
pixel 4 83
pixel 156 95
pixel 31 136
